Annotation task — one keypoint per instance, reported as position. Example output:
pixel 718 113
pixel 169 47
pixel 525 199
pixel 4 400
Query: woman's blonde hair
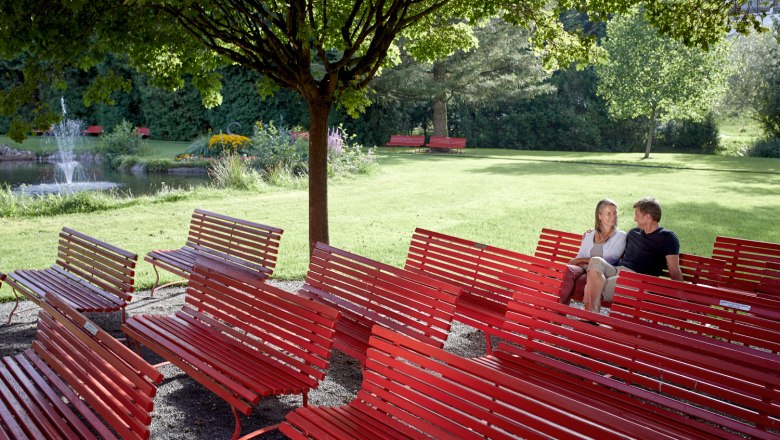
pixel 603 203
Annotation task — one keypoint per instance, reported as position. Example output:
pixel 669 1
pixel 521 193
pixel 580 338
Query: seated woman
pixel 605 241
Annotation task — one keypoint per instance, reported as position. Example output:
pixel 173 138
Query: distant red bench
pixel 94 130
pixel 562 246
pixel 144 132
pixel 447 143
pixel 399 140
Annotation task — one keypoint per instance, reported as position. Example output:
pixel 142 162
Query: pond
pixel 43 177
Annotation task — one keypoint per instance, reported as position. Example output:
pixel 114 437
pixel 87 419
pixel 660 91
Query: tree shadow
pixel 697 224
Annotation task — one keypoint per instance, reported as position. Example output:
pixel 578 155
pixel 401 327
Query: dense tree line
pixel 572 117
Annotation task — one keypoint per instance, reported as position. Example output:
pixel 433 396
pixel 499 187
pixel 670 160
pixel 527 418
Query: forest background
pixel 564 114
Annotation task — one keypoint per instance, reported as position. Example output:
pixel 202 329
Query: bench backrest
pixel 720 384
pixel 481 270
pixel 95 369
pixel 414 303
pixel 110 268
pixel 559 246
pixel 290 329
pixel 447 142
pixel 407 140
pixel 562 246
pixel 698 309
pixel 450 397
pixel 750 265
pixel 251 245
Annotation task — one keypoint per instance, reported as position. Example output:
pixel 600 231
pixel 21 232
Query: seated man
pixel 649 250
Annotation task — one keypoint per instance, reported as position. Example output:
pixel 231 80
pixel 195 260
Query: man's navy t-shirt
pixel 646 253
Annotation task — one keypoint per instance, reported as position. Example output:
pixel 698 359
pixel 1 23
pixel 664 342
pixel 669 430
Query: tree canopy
pixel 652 75
pixel 328 52
pixel 755 84
pixel 501 67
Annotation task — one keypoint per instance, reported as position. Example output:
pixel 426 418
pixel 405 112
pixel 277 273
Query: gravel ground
pixel 186 410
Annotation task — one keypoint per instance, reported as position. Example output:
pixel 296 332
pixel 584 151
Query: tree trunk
pixel 439 104
pixel 650 133
pixel 318 172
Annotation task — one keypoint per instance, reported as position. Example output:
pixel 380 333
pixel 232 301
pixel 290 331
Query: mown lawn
pixel 497 197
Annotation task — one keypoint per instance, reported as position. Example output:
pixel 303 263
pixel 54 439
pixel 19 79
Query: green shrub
pixel 233 171
pixel 346 156
pixel 199 146
pixel 769 147
pixel 275 149
pixel 121 141
pixel 689 136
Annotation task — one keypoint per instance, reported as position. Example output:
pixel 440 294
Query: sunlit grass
pixel 499 197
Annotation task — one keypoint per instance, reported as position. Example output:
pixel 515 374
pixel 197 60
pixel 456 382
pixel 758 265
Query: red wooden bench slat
pixel 76 380
pixel 750 265
pixel 488 275
pixel 397 140
pixel 725 315
pixel 368 292
pixel 242 243
pixel 679 374
pixel 241 338
pixel 414 390
pixel 89 274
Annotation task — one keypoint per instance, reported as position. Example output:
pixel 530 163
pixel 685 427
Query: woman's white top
pixel 612 249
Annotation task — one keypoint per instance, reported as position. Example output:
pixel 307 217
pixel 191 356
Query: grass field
pixel 498 197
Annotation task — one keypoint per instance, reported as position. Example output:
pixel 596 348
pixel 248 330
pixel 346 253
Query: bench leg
pixel 157 285
pixel 488 345
pixel 11 315
pixel 253 434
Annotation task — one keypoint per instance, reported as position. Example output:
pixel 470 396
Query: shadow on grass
pixel 697 224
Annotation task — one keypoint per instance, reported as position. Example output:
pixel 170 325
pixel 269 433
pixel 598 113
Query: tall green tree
pixel 328 52
pixel 653 75
pixel 499 65
pixel 755 84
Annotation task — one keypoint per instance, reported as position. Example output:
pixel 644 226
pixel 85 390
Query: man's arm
pixel 673 263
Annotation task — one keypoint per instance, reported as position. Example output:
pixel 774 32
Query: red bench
pixel 75 382
pixel 696 309
pixel 751 265
pixel 680 386
pixel 446 143
pixel 487 275
pixel 89 274
pixel 398 140
pixel 241 338
pixel 247 245
pixel 94 130
pixel 413 390
pixel 562 247
pixel 144 132
pixel 370 293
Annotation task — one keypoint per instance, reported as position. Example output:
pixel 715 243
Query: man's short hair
pixel 649 205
